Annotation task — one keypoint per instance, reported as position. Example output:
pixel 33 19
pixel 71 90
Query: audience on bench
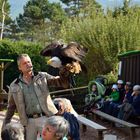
pixel 122 101
pixel 130 107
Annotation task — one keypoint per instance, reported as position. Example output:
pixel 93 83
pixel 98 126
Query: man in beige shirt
pixel 29 94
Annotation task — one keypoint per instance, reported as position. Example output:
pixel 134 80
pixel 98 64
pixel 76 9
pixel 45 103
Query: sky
pixel 17 5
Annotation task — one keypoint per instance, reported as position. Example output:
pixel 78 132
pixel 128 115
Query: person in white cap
pixel 111 100
pixel 120 81
pixel 120 84
pixel 114 96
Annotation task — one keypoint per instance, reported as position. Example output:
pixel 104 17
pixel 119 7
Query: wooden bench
pixel 98 128
pixel 112 119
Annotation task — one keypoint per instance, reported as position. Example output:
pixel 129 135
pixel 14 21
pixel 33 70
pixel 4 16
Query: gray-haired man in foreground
pixel 29 94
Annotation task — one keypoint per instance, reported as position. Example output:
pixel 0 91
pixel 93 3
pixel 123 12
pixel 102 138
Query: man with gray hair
pixel 29 94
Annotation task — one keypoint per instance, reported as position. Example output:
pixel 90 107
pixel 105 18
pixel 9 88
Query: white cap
pixel 128 83
pixel 115 87
pixel 136 88
pixel 120 81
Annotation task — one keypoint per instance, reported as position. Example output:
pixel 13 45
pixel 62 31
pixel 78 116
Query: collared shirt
pixel 32 105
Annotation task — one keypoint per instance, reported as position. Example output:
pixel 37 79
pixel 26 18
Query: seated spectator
pixel 13 131
pixel 67 105
pixel 131 108
pixel 114 96
pixel 96 92
pixel 115 107
pixel 128 91
pixel 73 122
pixel 121 89
pixel 111 101
pixel 136 100
pixel 55 128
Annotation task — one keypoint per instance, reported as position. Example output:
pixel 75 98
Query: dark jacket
pixel 74 125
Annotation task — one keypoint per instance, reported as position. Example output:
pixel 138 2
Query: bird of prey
pixel 70 55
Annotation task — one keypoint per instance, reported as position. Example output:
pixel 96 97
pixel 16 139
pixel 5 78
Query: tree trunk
pixel 3 19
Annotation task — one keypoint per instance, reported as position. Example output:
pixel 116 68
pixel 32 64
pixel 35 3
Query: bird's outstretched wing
pixel 70 55
pixel 74 51
pixel 50 49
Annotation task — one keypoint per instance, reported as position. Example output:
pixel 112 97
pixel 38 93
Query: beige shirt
pixel 30 97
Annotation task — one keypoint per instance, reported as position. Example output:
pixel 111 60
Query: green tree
pixel 76 8
pixel 39 18
pixel 73 7
pixel 11 49
pixel 105 37
pixel 124 10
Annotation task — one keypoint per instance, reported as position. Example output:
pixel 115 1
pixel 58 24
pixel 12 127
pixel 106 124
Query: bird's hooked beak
pixel 54 62
pixel 49 61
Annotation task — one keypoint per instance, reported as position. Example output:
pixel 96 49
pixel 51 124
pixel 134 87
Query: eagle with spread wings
pixel 70 55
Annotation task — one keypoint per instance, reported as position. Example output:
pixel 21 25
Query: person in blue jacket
pixel 71 118
pixel 136 100
pixel 131 108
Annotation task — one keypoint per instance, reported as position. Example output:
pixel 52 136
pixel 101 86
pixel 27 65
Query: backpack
pixel 125 111
pixel 89 98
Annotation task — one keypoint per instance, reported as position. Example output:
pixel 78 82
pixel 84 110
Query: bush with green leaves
pixel 10 50
pixel 105 36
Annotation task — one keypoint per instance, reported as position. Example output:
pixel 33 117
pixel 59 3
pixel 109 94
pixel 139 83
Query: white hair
pixel 13 131
pixel 136 88
pixel 67 105
pixel 60 124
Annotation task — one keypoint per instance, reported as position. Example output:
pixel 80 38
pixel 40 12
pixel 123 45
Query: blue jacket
pixel 128 97
pixel 74 125
pixel 136 104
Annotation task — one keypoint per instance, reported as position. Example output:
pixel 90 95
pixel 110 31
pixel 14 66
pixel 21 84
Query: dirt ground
pixel 89 134
pixel 118 133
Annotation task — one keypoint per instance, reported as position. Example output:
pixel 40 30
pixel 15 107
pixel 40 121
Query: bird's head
pixel 54 62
